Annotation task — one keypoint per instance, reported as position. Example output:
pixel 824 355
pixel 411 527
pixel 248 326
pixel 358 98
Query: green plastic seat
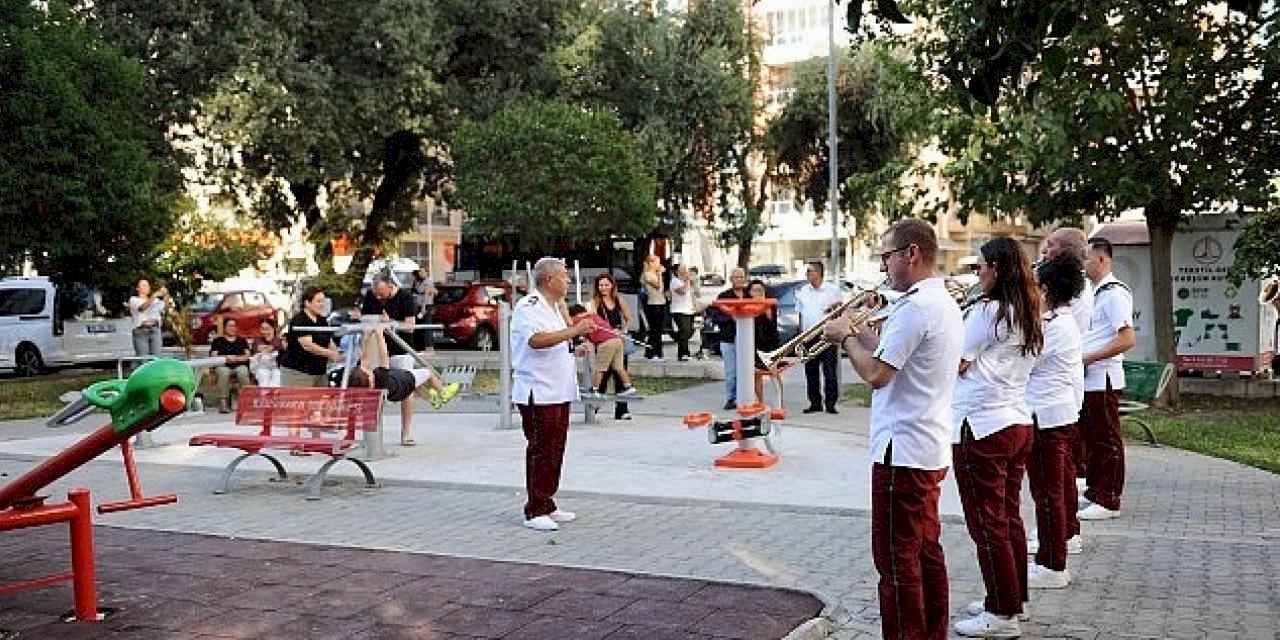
pixel 1143 383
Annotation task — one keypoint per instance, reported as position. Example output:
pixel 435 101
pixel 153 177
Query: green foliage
pixel 881 114
pixel 548 171
pixel 1258 248
pixel 201 248
pixel 79 189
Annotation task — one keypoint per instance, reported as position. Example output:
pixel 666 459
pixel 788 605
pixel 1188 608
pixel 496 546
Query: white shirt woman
pixel 990 393
pixel 1055 388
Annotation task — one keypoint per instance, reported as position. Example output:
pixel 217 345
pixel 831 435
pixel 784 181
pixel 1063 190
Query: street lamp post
pixel 833 203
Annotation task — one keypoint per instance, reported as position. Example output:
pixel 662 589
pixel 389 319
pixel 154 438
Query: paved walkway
pixel 1196 555
pixel 173 585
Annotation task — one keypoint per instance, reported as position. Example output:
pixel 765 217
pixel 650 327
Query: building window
pixel 419 252
pixel 439 216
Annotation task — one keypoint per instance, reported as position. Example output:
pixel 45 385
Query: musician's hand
pixel 837 330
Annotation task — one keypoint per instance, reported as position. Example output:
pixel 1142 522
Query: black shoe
pixel 832 411
pixel 812 409
pixel 730 405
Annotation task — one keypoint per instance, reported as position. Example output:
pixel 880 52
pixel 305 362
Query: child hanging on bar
pixel 400 380
pixel 609 350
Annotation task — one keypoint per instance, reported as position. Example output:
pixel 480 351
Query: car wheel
pixel 28 361
pixel 485 340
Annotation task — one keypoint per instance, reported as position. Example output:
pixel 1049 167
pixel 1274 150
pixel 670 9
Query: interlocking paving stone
pixel 474 598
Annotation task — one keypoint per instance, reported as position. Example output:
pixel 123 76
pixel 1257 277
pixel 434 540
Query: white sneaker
pixel 1039 577
pixel 1075 545
pixel 625 416
pixel 563 516
pixel 1097 512
pixel 542 523
pixel 989 625
pixel 627 392
pixel 976 608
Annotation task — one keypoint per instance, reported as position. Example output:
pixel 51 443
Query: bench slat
pixel 311 407
pixel 255 443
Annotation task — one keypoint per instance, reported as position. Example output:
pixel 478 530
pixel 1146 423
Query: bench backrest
pixel 311 407
pixel 1146 381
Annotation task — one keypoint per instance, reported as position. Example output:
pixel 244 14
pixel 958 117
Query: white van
pixel 34 335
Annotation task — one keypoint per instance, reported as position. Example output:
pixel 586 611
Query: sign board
pixel 1216 325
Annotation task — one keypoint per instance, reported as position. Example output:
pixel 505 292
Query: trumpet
pixel 808 344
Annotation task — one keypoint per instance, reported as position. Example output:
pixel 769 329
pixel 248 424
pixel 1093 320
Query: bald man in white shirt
pixel 543 384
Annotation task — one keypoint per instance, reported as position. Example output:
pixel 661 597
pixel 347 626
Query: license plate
pixel 99 328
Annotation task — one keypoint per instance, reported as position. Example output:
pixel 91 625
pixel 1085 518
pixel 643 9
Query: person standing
pixel 424 297
pixel 1110 334
pixel 813 300
pixel 729 333
pixel 992 431
pixel 543 384
pixel 655 306
pixel 1055 392
pixel 146 308
pixel 682 310
pixel 391 303
pixel 606 304
pixel 237 352
pixel 307 352
pixel 911 365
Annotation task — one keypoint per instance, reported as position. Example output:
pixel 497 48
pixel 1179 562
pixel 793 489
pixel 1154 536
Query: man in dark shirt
pixel 237 352
pixel 389 301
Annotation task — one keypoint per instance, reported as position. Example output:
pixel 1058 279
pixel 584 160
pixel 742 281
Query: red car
pixel 248 308
pixel 469 312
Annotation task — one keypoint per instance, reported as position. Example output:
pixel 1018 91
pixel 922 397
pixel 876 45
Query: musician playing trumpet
pixel 911 365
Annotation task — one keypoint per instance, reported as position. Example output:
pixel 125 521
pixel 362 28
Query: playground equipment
pixel 753 423
pixel 154 394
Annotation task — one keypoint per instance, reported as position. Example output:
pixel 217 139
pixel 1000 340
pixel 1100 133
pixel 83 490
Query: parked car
pixel 248 308
pixel 469 312
pixel 41 326
pixel 767 272
pixel 788 317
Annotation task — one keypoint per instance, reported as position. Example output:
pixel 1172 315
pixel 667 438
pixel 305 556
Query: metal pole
pixel 504 364
pixel 833 202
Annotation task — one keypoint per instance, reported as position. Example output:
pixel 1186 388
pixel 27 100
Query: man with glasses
pixel 911 365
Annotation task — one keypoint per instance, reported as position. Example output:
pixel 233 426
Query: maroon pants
pixel 1050 472
pixel 914 593
pixel 989 473
pixel 1103 447
pixel 1071 495
pixel 546 427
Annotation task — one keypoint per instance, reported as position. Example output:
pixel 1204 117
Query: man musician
pixel 911 365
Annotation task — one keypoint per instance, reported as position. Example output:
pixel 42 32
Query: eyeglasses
pixel 884 256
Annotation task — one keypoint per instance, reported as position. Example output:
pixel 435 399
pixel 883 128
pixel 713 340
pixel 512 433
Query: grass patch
pixel 858 394
pixel 1248 433
pixel 487 382
pixel 38 397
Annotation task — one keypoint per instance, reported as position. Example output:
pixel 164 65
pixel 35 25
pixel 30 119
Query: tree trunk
pixel 402 161
pixel 1161 226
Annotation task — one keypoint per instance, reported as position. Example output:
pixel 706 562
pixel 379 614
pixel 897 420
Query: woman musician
pixel 992 432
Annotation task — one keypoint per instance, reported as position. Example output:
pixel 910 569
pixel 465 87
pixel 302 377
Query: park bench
pixel 1144 382
pixel 590 401
pixel 343 413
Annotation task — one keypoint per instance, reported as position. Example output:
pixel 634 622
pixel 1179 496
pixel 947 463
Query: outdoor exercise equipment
pixel 753 422
pixel 155 393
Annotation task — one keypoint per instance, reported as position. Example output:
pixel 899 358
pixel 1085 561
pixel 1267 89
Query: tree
pixel 685 85
pixel 315 111
pixel 880 118
pixel 79 190
pixel 1258 249
pixel 548 171
pixel 1060 109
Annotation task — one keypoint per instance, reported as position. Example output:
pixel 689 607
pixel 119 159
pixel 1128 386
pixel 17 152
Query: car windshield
pixel 206 302
pixel 449 295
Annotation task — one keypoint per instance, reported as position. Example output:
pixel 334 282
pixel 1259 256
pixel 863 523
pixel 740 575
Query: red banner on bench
pixel 311 407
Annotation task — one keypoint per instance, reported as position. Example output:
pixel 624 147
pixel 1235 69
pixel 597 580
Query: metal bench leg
pixel 225 484
pixel 281 476
pixel 589 413
pixel 1151 436
pixel 315 482
pixel 369 480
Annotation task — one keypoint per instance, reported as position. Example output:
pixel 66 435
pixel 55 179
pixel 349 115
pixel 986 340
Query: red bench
pixel 340 412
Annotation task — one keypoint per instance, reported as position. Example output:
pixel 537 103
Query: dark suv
pixel 469 312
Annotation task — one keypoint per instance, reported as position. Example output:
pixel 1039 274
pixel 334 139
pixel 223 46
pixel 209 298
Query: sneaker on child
pixel 627 391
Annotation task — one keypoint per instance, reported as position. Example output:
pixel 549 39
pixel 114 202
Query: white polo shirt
pixel 1112 311
pixel 990 393
pixel 921 340
pixel 681 302
pixel 1082 307
pixel 547 373
pixel 151 314
pixel 812 302
pixel 1055 390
